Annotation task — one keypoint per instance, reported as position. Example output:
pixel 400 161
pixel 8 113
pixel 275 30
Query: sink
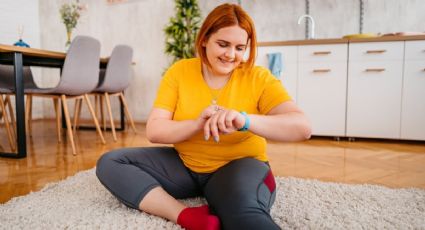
pixel 365 35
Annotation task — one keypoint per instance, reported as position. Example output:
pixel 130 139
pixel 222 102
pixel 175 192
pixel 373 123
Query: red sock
pixel 198 218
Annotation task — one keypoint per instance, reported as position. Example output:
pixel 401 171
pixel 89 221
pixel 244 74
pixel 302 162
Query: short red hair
pixel 226 15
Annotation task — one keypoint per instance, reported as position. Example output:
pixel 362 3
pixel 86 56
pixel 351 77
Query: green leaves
pixel 181 31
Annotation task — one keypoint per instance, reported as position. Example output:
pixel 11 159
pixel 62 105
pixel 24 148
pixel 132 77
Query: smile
pixel 226 62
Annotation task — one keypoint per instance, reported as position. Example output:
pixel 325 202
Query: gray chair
pixel 112 82
pixel 80 75
pixel 7 80
pixel 7 89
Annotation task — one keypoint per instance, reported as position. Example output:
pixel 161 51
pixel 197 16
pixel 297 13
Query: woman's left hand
pixel 224 121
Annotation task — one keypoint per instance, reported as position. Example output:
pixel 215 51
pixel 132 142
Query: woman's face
pixel 225 49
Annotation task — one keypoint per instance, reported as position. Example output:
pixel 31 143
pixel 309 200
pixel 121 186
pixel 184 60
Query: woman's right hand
pixel 223 121
pixel 206 114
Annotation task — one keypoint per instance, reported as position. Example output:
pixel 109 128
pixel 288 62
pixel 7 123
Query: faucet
pixel 311 35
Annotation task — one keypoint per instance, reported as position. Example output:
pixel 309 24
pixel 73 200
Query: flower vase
pixel 68 41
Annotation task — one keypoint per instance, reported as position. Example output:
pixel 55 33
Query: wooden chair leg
pixel 68 124
pixel 99 130
pixel 8 103
pixel 77 112
pixel 10 136
pixel 102 114
pixel 28 114
pixel 111 119
pixel 127 112
pixel 80 103
pixel 96 105
pixel 58 119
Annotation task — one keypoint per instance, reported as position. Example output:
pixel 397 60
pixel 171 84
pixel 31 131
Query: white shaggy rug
pixel 81 202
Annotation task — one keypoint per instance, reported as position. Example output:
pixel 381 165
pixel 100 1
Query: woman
pixel 217 111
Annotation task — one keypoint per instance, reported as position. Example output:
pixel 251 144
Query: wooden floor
pixel 390 163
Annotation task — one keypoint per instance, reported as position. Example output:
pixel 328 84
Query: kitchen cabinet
pixel 375 77
pixel 289 74
pixel 321 90
pixel 413 98
pixel 367 88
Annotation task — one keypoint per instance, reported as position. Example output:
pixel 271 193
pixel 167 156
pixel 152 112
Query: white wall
pixel 15 13
pixel 19 12
pixel 136 23
pixel 140 23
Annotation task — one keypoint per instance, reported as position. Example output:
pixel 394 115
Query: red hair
pixel 226 15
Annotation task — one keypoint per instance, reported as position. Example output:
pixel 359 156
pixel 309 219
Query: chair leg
pixel 108 105
pixel 96 105
pixel 8 103
pixel 102 113
pixel 68 124
pixel 10 137
pixel 77 112
pixel 98 109
pixel 80 103
pixel 127 112
pixel 86 97
pixel 28 111
pixel 58 119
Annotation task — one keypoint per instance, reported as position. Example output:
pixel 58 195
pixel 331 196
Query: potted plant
pixel 182 29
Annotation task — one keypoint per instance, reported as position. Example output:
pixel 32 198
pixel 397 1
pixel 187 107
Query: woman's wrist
pixel 199 124
pixel 247 122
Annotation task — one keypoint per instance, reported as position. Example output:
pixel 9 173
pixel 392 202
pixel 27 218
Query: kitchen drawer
pixel 321 53
pixel 376 51
pixel 415 50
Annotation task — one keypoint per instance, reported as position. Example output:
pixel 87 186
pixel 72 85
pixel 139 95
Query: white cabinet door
pixel 375 72
pixel 289 74
pixel 374 99
pixel 322 82
pixel 413 102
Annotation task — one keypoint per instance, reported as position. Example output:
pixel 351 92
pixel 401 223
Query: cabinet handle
pixel 375 70
pixel 322 52
pixel 376 51
pixel 321 70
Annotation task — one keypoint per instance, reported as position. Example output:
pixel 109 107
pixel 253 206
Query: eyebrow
pixel 226 42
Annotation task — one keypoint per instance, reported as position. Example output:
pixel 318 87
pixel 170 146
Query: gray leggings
pixel 240 193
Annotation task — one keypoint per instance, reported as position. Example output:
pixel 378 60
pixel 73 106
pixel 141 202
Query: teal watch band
pixel 247 122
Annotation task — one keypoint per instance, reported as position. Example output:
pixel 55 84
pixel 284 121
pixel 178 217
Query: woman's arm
pixel 161 128
pixel 285 122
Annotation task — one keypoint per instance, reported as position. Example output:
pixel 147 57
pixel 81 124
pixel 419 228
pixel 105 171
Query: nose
pixel 230 53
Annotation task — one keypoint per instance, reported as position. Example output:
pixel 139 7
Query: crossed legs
pixel 151 179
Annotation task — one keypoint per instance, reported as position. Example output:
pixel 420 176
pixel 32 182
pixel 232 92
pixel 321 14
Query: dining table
pixel 23 56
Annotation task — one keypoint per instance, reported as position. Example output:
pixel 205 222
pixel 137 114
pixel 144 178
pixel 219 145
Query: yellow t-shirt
pixel 184 92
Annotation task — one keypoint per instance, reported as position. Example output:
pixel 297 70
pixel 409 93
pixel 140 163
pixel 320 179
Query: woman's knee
pixel 105 163
pixel 243 189
pixel 108 156
pixel 242 183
